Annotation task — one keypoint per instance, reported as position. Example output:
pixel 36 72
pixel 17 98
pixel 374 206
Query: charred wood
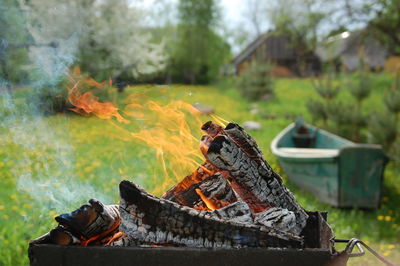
pixel 253 177
pixel 215 188
pixel 155 220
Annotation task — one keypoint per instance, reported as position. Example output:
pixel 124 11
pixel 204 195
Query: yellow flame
pixel 164 127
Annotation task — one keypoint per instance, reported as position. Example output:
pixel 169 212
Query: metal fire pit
pixel 74 255
pixel 321 252
pixel 317 237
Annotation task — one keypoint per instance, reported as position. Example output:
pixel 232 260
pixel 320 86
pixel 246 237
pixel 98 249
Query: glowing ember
pixel 210 205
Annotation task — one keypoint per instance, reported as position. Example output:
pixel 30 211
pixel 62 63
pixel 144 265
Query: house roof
pixel 277 47
pixel 246 52
pixel 348 45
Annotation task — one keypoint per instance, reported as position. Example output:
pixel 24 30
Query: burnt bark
pixel 155 220
pixel 233 150
pixel 215 188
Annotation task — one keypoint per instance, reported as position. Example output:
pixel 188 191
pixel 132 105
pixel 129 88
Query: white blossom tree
pixel 107 38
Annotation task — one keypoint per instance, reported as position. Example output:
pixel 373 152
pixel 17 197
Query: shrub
pixel 256 82
pixel 53 99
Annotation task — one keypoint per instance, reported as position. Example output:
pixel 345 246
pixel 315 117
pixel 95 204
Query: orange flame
pixel 87 103
pixel 210 205
pixel 164 127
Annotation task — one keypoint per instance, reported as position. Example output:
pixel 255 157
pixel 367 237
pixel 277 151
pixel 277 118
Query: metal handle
pixel 351 243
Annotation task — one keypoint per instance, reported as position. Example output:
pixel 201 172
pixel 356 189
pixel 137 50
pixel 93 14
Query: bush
pixel 256 82
pixel 53 99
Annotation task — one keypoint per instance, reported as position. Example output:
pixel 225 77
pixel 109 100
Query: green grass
pixel 55 163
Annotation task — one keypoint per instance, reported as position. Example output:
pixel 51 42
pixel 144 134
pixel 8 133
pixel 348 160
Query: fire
pixel 166 127
pixel 86 103
pixel 210 205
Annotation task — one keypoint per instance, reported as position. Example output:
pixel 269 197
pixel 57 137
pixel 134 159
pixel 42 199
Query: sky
pixel 233 17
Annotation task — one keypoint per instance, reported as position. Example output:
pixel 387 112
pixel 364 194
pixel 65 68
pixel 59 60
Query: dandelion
pixel 53 213
pixel 13 196
pixel 380 218
pixel 388 218
pixel 1 207
pixel 391 246
pixel 27 205
pixel 387 253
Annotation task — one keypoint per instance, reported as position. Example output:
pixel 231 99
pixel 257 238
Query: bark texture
pixel 233 150
pixel 215 188
pixel 155 220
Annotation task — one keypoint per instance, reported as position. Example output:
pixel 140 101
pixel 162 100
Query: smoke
pixel 42 162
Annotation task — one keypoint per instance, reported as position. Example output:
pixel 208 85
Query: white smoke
pixel 44 165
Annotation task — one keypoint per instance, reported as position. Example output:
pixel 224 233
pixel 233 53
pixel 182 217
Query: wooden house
pixel 349 49
pixel 286 58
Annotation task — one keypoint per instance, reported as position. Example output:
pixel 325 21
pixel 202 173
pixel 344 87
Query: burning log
pixel 93 223
pixel 214 188
pixel 234 199
pixel 160 221
pixel 252 178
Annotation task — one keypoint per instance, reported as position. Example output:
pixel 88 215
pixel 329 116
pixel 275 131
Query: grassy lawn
pixel 53 164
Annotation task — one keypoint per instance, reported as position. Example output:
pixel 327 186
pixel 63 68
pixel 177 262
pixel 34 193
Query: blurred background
pixel 336 63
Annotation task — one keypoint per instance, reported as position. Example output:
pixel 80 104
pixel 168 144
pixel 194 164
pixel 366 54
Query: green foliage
pixel 317 110
pixel 326 88
pixel 361 88
pixel 199 52
pixel 255 81
pixel 13 42
pixel 53 99
pixel 392 97
pixel 386 21
pixel 383 129
pixel 349 118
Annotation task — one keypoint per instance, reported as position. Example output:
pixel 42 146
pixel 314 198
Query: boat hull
pixel 346 175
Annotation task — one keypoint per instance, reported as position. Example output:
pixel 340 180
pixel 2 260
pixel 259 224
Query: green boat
pixel 335 170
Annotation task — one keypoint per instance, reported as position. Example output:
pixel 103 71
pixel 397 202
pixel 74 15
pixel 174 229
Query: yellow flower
pixel 5 217
pixel 391 246
pixel 88 169
pixel 13 196
pixel 27 206
pixel 380 218
pixel 1 207
pixel 387 253
pixel 14 208
pixel 53 213
pixel 388 218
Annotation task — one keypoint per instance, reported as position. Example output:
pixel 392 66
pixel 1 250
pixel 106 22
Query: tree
pixel 119 43
pixel 300 23
pixel 107 38
pixel 387 21
pixel 14 40
pixel 199 51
